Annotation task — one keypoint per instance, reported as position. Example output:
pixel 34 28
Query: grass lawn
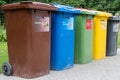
pixel 3 54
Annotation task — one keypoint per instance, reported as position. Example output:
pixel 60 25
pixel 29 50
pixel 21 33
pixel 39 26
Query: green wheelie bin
pixel 84 36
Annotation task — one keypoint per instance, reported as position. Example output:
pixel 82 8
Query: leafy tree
pixel 2 2
pixel 104 5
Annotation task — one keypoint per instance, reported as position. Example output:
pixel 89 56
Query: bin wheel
pixel 7 69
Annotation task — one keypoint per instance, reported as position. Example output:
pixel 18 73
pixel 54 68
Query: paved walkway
pixel 107 69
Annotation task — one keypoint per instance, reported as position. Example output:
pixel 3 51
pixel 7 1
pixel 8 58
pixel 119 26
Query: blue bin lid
pixel 69 9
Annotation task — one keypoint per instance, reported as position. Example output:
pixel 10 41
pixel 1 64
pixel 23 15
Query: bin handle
pixel 62 5
pixel 66 17
pixel 26 2
pixel 69 7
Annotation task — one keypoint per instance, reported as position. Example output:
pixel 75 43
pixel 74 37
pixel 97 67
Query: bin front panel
pixel 83 39
pixel 99 40
pixel 40 43
pixel 112 37
pixel 28 49
pixel 62 41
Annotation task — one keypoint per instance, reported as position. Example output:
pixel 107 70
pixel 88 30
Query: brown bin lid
pixel 29 5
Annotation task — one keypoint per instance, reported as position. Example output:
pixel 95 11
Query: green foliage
pixel 2 34
pixel 112 6
pixel 70 2
pixel 2 2
pixel 103 5
pixel 1 12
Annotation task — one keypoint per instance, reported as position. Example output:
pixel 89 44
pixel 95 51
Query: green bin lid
pixel 86 11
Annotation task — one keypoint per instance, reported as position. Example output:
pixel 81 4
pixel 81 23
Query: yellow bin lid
pixel 104 14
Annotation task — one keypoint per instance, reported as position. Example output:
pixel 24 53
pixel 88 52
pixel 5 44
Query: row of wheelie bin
pixel 43 37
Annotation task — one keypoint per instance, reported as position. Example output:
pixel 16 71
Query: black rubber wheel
pixel 7 69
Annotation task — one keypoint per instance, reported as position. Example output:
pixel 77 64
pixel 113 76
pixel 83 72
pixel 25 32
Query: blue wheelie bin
pixel 62 37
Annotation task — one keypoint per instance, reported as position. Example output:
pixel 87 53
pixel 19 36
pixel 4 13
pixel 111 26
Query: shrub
pixel 2 34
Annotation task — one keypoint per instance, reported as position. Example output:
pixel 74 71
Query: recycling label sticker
pixel 89 24
pixel 41 24
pixel 115 27
pixel 103 24
pixel 68 23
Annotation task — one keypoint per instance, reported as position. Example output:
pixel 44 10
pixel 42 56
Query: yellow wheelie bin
pixel 99 35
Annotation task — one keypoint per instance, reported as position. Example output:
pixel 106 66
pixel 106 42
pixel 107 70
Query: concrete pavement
pixel 107 69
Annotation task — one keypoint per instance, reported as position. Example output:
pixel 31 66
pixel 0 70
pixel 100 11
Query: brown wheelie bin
pixel 28 36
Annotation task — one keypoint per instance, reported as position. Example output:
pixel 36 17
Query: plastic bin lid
pixel 86 11
pixel 115 18
pixel 63 8
pixel 29 5
pixel 104 14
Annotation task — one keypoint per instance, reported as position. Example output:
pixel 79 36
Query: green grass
pixel 3 54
